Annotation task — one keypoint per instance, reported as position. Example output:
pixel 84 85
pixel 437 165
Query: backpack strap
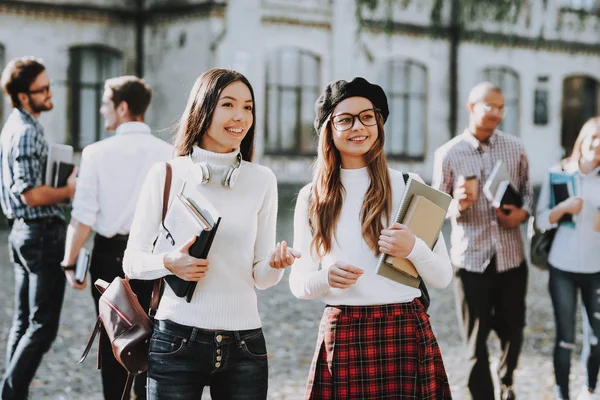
pixel 128 384
pixel 97 328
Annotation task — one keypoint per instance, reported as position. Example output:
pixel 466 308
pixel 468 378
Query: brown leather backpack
pixel 127 325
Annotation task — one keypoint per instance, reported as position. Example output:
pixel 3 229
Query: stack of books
pixel 423 210
pixel 499 189
pixel 189 214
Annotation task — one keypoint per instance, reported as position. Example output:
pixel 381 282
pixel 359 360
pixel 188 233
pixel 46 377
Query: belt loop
pixel 193 336
pixel 238 339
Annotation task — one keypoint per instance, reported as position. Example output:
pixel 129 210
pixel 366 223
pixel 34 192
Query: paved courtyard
pixel 290 327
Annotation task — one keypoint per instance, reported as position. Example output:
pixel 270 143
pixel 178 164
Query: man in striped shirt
pixel 36 213
pixel 486 242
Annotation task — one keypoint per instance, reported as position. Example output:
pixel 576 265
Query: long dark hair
pixel 200 108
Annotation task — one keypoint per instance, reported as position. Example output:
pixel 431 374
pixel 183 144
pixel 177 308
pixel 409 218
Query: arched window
pixel 89 68
pixel 405 83
pixel 507 80
pixel 293 80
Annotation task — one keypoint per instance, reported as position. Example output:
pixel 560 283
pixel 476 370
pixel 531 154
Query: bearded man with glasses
pixel 36 213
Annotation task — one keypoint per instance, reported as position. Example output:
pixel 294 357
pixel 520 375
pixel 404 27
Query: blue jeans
pixel 183 360
pixel 563 288
pixel 36 248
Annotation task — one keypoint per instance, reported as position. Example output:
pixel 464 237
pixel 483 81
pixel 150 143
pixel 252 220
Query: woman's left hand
pixel 396 241
pixel 283 256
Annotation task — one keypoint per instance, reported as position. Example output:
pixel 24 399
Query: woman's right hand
pixel 342 275
pixel 184 266
pixel 572 205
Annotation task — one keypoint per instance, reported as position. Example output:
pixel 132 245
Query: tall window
pixel 89 68
pixel 293 80
pixel 2 97
pixel 405 83
pixel 507 80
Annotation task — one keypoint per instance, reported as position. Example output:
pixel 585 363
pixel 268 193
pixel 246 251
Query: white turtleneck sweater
pixel 307 281
pixel 238 259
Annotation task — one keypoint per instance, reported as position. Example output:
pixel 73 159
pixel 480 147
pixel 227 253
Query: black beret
pixel 340 90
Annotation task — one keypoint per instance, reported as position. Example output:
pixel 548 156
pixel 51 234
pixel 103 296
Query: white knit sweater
pixel 307 281
pixel 238 259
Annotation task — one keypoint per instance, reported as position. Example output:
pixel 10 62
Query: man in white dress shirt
pixel 112 173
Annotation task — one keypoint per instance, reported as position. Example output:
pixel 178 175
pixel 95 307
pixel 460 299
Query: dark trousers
pixel 36 248
pixel 486 302
pixel 183 360
pixel 563 287
pixel 107 264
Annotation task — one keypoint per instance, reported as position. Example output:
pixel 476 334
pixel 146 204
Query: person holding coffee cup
pixel 487 246
pixel 574 258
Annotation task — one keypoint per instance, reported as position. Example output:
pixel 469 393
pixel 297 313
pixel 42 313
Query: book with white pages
pixel 498 174
pixel 57 153
pixel 189 214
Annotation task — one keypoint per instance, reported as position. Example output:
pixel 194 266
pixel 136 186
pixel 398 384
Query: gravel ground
pixel 291 327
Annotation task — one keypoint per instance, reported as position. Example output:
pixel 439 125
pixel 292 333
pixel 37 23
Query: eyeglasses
pixel 345 121
pixel 42 90
pixel 488 108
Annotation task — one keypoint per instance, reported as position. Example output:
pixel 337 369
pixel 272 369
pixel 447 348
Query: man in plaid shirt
pixel 36 214
pixel 487 246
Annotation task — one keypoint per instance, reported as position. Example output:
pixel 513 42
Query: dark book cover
pixel 199 249
pixel 61 173
pixel 561 192
pixel 507 194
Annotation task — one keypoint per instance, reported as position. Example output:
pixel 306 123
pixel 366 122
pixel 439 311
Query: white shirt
pixel 111 175
pixel 239 255
pixel 308 282
pixel 574 249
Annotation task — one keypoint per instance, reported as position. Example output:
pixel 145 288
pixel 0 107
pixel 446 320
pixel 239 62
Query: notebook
pixel 425 219
pixel 498 174
pixel 82 265
pixel 56 153
pixel 61 172
pixel 189 214
pixel 562 186
pixel 385 264
pixel 507 194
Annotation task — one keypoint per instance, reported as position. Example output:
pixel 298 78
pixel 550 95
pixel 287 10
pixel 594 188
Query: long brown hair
pixel 589 128
pixel 200 108
pixel 327 196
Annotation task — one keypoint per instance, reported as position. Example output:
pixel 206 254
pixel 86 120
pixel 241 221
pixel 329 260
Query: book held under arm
pixel 60 158
pixel 562 186
pixel 423 210
pixel 82 265
pixel 189 214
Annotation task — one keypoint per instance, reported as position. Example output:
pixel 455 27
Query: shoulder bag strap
pixel 155 299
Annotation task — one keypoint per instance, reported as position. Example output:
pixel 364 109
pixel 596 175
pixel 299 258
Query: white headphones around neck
pixel 229 177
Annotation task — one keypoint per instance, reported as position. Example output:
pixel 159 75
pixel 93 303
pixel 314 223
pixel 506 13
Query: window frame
pixel 75 87
pixel 516 101
pixel 387 73
pixel 3 63
pixel 299 89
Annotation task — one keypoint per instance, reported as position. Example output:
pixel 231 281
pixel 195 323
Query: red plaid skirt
pixel 377 352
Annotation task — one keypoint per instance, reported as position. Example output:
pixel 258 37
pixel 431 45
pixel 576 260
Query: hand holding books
pixel 397 241
pixel 183 265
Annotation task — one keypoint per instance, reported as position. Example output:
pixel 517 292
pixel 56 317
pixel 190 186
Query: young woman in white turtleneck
pixel 216 339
